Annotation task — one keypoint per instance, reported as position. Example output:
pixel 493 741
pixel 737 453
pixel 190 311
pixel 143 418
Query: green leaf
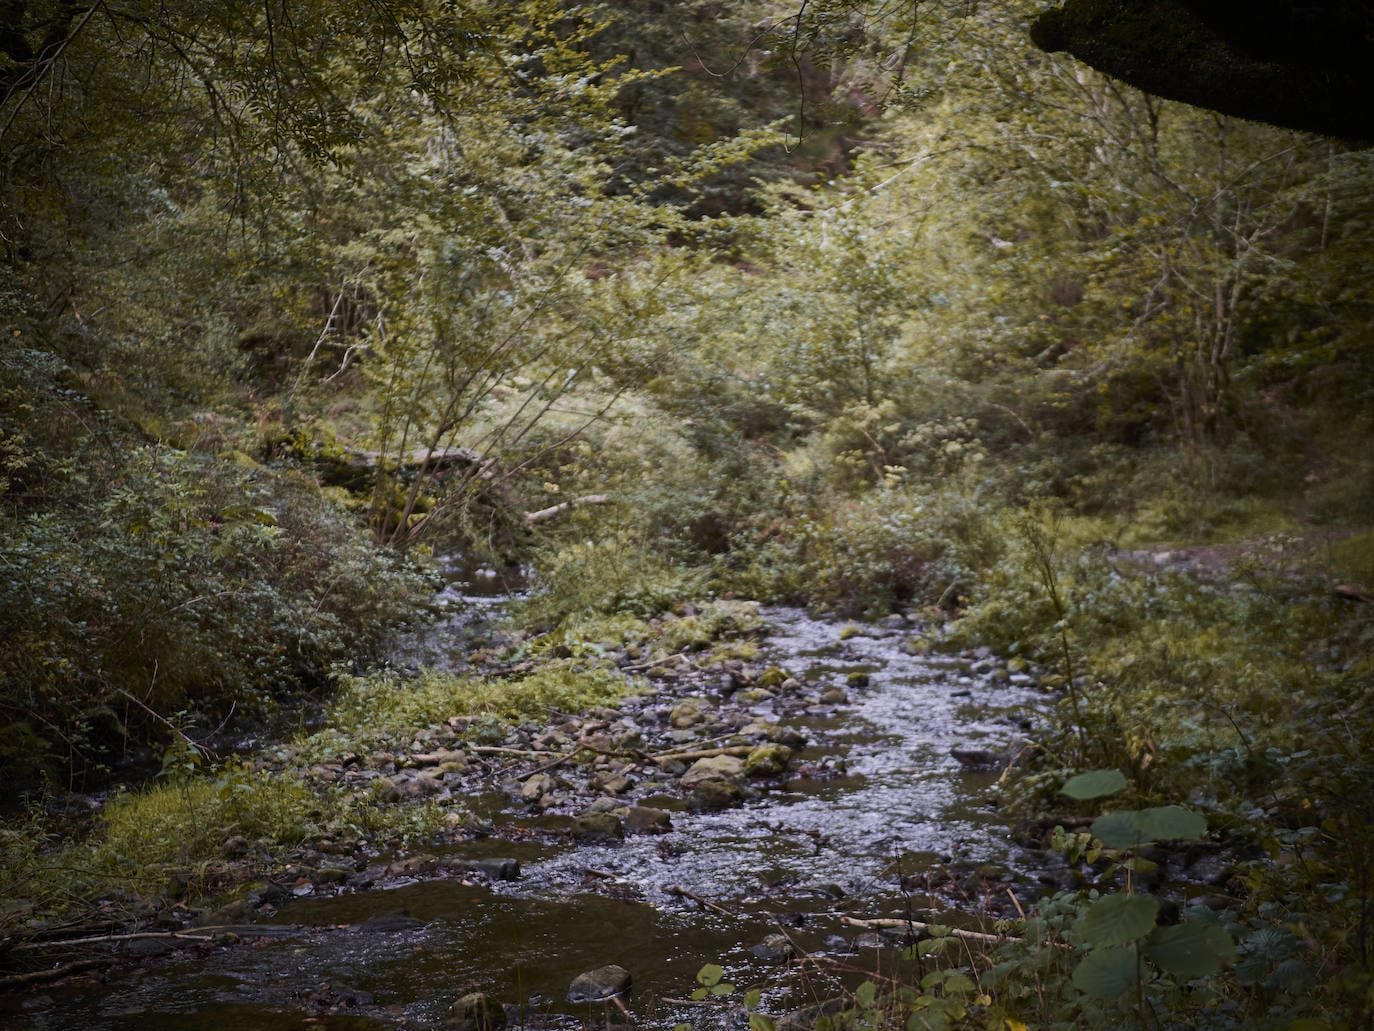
pixel 1190 950
pixel 1119 830
pixel 758 1022
pixel 1119 919
pixel 865 994
pixel 1094 784
pixel 724 988
pixel 752 998
pixel 698 994
pixel 1172 823
pixel 1107 973
pixel 1132 828
pixel 710 974
pixel 958 984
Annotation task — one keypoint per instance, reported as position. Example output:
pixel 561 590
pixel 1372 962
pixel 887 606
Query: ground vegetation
pixel 870 310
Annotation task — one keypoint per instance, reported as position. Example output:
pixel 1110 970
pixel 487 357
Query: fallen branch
pixel 557 762
pixel 527 753
pixel 703 753
pixel 564 506
pixel 53 973
pixel 196 934
pixel 895 924
pixel 681 892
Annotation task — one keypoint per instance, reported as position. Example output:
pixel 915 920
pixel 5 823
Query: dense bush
pixel 180 580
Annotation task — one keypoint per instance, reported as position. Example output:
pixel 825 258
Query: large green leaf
pixel 1119 919
pixel 1119 830
pixel 1190 950
pixel 1094 784
pixel 1107 973
pixel 1172 823
pixel 1132 828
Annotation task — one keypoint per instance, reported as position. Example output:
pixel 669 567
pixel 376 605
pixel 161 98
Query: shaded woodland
pixel 870 308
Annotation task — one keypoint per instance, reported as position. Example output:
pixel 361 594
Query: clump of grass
pixel 715 621
pixel 1353 558
pixel 382 708
pixel 150 839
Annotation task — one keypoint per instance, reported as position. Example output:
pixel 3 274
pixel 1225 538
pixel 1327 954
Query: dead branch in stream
pixel 916 926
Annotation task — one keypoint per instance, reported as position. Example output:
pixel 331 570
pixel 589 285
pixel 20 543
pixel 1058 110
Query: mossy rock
pixel 768 760
pixel 773 678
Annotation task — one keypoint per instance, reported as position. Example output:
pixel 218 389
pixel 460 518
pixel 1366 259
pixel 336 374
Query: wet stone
pixel 477 1011
pixel 596 828
pixel 687 714
pixel 642 819
pixel 718 767
pixel 600 984
pixel 498 869
pixel 616 784
pixel 768 760
pixel 776 948
pixel 537 787
pixel 716 794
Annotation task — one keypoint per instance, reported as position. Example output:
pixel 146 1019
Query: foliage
pixel 373 709
pixel 188 579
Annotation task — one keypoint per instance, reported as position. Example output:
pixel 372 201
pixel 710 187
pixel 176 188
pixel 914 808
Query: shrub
pixel 186 579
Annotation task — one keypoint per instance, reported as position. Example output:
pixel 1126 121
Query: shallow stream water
pixel 875 801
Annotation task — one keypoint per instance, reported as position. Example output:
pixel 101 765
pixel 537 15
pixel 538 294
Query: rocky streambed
pixel 736 814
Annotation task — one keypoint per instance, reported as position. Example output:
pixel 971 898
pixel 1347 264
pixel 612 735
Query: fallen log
pixel 916 926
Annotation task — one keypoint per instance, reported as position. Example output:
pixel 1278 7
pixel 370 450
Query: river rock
pixel 717 767
pixel 477 1011
pixel 977 758
pixel 686 714
pixel 388 790
pixel 428 782
pixel 613 784
pixel 600 984
pixel 643 819
pixel 596 828
pixel 498 869
pixel 767 760
pixel 537 787
pixel 773 677
pixel 776 948
pixel 716 794
pixel 834 696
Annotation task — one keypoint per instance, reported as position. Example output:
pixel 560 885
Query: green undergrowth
pixel 1238 683
pixel 165 843
pixel 384 708
pixel 693 627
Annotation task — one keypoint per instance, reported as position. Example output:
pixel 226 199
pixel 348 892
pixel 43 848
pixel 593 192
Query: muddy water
pixel 878 819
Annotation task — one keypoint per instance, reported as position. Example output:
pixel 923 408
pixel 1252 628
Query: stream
pixel 876 816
